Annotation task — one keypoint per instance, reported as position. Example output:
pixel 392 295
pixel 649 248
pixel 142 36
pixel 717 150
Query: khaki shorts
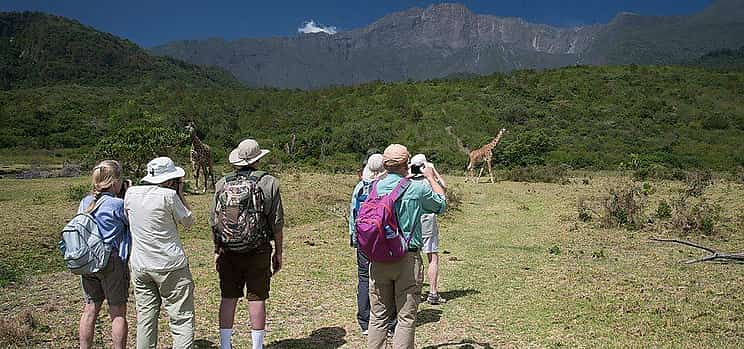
pixel 239 272
pixel 429 233
pixel 111 283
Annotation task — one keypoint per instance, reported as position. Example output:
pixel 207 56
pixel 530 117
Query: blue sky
pixel 153 22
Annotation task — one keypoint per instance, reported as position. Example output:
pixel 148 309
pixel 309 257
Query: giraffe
pixel 483 154
pixel 201 158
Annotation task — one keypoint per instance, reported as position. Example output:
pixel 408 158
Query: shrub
pixel 541 174
pixel 76 192
pixel 623 207
pixel 454 197
pixel 697 181
pixel 18 330
pixel 585 212
pixel 690 215
pixel 663 211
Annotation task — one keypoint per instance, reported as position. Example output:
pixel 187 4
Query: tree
pixel 135 147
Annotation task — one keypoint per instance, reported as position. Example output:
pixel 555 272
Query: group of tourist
pixel 140 222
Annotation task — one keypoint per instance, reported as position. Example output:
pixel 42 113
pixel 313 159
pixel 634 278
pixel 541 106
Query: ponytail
pixel 103 177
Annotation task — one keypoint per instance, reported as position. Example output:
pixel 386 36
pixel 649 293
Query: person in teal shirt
pixel 396 286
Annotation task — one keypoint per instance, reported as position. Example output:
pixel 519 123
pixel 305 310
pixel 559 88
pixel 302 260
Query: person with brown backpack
pixel 246 214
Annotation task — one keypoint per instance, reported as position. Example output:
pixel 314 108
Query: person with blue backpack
pixel 392 242
pixel 112 281
pixel 373 170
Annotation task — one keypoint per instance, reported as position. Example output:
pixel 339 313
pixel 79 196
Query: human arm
pixel 275 217
pixel 439 177
pixel 181 211
pixel 432 199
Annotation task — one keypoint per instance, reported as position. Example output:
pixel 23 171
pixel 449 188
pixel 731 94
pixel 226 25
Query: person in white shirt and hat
pixel 159 267
pixel 429 231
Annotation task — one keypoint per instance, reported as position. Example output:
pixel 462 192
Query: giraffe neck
pixel 195 141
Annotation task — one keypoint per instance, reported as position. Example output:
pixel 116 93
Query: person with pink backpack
pixel 389 233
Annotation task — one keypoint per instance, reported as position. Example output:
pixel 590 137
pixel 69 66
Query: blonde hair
pixel 103 178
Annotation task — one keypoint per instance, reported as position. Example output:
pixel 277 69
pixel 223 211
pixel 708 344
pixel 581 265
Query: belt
pixel 413 249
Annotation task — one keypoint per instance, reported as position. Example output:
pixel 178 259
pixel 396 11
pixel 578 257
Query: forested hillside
pixel 583 116
pixel 37 49
pixel 85 85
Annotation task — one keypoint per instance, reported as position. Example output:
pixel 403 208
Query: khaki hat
pixel 395 155
pixel 162 169
pixel 247 153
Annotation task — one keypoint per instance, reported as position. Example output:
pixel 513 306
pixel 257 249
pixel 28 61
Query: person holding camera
pixel 159 267
pixel 429 230
pixel 106 206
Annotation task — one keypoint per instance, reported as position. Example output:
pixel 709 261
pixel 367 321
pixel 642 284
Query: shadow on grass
pixel 427 316
pixel 455 294
pixel 325 337
pixel 204 344
pixel 463 344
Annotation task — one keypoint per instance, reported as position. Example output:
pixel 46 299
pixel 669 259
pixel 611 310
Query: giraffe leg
pixel 480 173
pixel 204 176
pixel 197 168
pixel 490 172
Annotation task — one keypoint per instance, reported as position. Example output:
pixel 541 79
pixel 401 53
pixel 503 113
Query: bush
pixel 77 192
pixel 697 181
pixel 454 197
pixel 585 212
pixel 663 211
pixel 623 207
pixel 690 216
pixel 18 330
pixel 538 174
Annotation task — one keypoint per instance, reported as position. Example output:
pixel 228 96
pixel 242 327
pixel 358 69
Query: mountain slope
pixel 448 39
pixel 40 49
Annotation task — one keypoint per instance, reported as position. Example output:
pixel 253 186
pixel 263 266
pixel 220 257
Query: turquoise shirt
pixel 418 199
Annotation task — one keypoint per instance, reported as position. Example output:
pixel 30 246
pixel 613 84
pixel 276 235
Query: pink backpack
pixel 378 233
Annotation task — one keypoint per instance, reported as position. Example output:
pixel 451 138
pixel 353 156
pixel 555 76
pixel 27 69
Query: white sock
pixel 257 336
pixel 225 334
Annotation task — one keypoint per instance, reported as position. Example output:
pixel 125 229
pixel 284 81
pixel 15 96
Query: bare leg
pixel 433 272
pixel 257 309
pixel 119 326
pixel 88 324
pixel 227 312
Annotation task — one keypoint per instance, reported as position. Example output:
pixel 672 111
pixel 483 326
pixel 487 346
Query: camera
pixel 125 184
pixel 416 169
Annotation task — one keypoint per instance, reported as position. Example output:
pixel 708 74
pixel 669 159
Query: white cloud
pixel 310 27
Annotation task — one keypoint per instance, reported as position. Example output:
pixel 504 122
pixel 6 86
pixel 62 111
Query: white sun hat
pixel 418 160
pixel 162 169
pixel 246 153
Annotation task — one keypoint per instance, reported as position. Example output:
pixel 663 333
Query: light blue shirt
pixel 418 199
pixel 112 222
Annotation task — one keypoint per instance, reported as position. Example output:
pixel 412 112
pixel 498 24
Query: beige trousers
pixel 173 289
pixel 394 286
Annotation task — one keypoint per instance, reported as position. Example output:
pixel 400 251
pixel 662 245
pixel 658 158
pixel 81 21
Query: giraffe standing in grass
pixel 201 158
pixel 483 155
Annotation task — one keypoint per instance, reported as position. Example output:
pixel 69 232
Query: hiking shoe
pixel 435 299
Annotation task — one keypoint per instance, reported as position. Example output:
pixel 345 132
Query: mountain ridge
pixel 446 39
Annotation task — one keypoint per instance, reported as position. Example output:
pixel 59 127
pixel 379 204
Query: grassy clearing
pixel 518 266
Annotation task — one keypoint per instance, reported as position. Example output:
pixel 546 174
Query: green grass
pixel 518 266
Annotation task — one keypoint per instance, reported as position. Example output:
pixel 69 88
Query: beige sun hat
pixel 162 169
pixel 247 153
pixel 395 155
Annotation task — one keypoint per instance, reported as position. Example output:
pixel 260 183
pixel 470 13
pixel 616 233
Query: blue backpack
pixel 82 244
